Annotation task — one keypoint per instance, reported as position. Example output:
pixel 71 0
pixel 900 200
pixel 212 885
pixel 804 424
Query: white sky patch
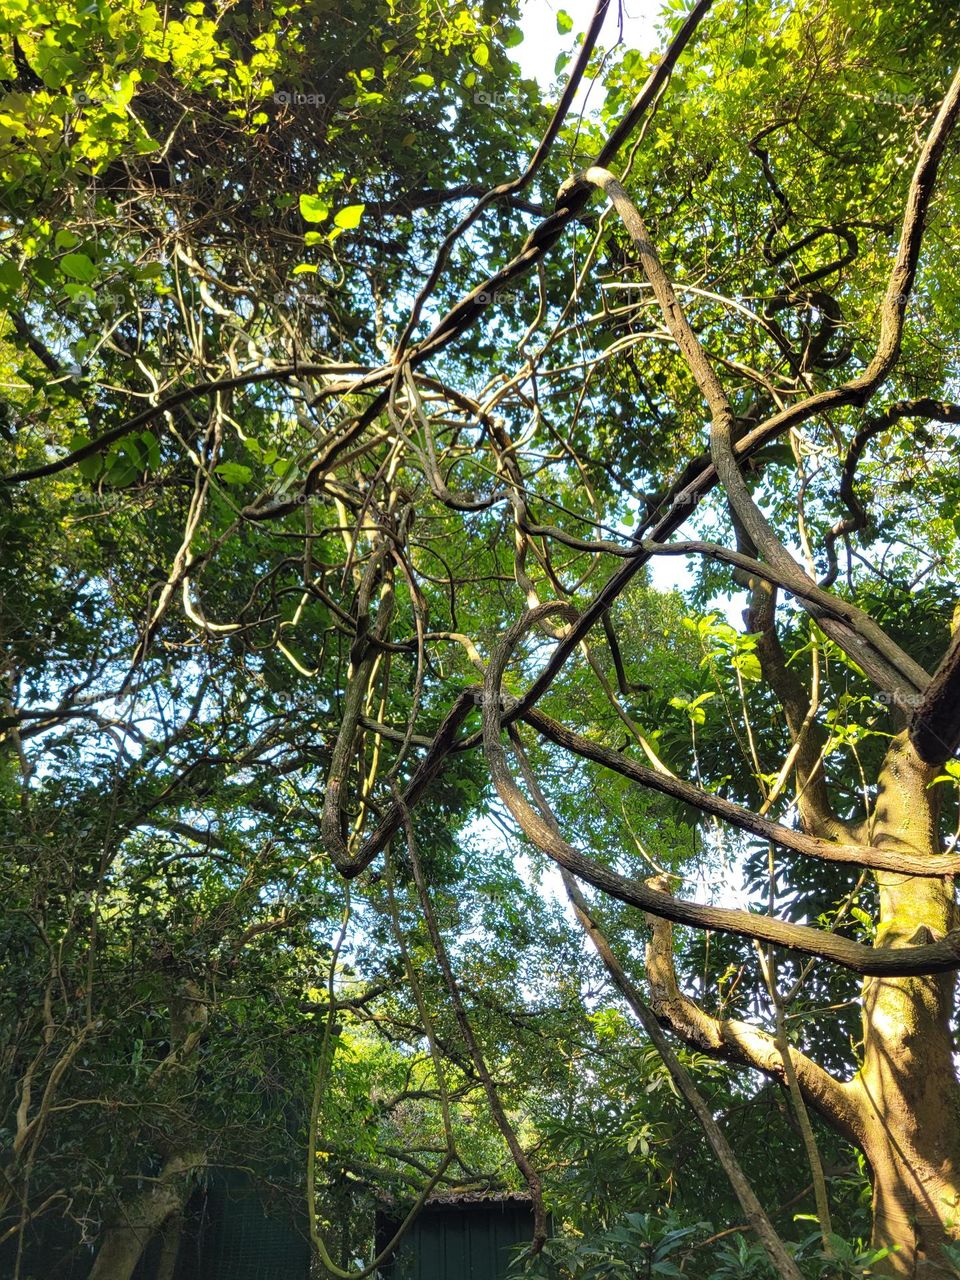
pixel 543 43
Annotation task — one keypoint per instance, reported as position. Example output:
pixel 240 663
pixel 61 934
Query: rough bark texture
pixel 907 1087
pixel 170 1249
pixel 902 1108
pixel 144 1215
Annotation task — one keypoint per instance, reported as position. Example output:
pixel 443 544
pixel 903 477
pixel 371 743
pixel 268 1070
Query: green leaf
pixel 129 450
pixel 151 448
pixel 481 55
pixel 79 293
pixel 65 240
pixel 234 473
pixel 424 80
pixel 305 269
pixel 11 277
pixel 313 209
pixel 564 22
pixel 79 267
pixel 512 38
pixel 121 472
pixel 748 664
pixel 349 217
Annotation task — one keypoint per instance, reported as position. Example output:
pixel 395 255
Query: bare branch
pixel 739 1042
pixel 858 855
pixel 935 957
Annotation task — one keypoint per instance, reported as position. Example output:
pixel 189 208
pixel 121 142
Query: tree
pixel 346 385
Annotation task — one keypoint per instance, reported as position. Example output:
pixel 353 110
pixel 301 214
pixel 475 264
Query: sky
pixel 542 42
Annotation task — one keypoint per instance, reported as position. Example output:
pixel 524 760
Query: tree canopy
pixel 480 668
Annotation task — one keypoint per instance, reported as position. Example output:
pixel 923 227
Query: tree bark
pixel 902 1108
pixel 907 1086
pixel 143 1216
pixel 170 1250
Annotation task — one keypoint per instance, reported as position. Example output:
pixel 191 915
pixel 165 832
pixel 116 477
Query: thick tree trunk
pixel 139 1218
pixel 907 1089
pixel 915 1202
pixel 172 1236
pixel 143 1216
pixel 902 1108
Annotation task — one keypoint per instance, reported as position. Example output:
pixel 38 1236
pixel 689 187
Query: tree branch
pixel 935 729
pixel 808 736
pixel 860 637
pixel 859 855
pixel 742 1189
pixel 701 475
pixel 739 1042
pixel 936 957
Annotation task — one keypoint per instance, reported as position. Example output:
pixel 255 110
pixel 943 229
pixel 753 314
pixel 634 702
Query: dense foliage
pixel 423 495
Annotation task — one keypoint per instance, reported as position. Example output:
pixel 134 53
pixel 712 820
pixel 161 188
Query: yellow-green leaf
pixel 313 209
pixel 349 217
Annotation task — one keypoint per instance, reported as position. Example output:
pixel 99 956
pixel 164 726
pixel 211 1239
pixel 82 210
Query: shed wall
pixel 470 1242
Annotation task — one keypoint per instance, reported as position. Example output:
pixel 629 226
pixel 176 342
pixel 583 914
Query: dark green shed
pixel 459 1236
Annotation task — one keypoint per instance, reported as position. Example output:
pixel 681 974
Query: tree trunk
pixel 143 1216
pixel 907 1087
pixel 172 1236
pixel 902 1108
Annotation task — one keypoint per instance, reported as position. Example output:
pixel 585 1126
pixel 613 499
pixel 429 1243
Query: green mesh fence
pixel 239 1240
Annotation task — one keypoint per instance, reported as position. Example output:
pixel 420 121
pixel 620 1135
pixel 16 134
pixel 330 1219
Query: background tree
pixel 345 411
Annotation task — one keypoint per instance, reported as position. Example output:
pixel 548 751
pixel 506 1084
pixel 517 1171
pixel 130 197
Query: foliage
pixel 307 397
pixel 646 1246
